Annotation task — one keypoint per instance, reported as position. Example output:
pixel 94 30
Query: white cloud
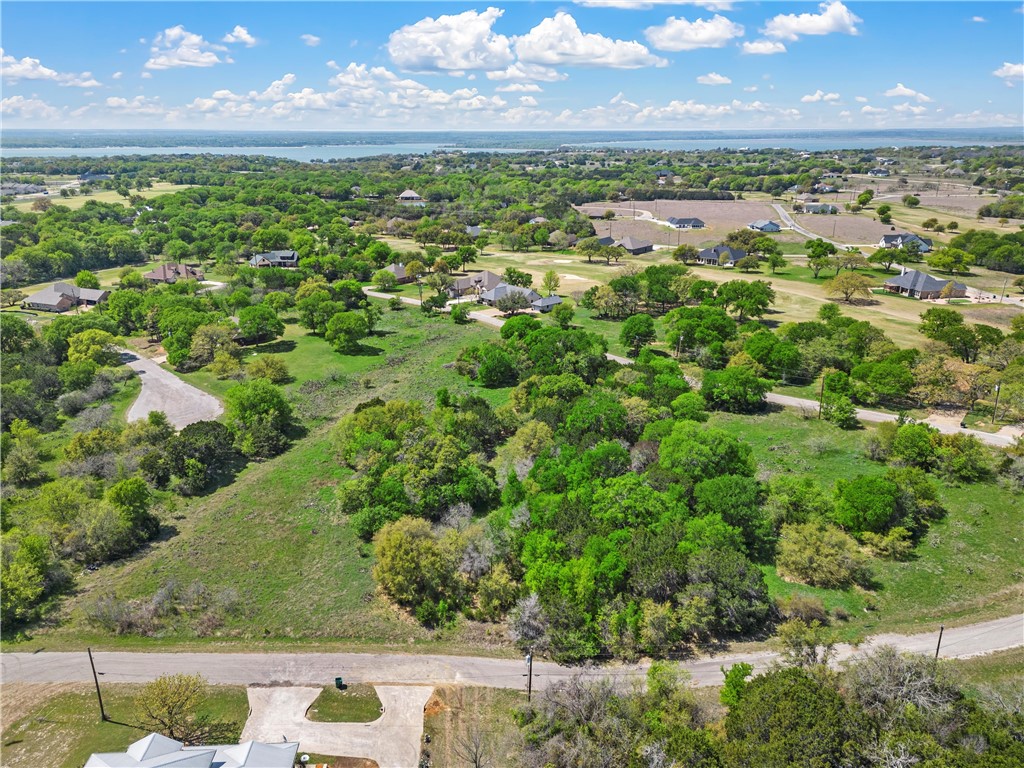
pixel 750 89
pixel 869 110
pixel 140 105
pixel 240 35
pixel 311 40
pixel 528 101
pixel 332 64
pixel 977 117
pixel 834 17
pixel 679 34
pixel 177 47
pixel 643 5
pixel 1010 71
pixel 763 47
pixel 33 69
pixel 29 109
pixel 861 99
pixel 713 78
pixel 520 72
pixel 457 42
pixel 978 19
pixel 519 88
pixel 558 40
pixel 911 109
pixel 147 75
pixel 117 76
pixel 845 113
pixel 901 91
pixel 819 95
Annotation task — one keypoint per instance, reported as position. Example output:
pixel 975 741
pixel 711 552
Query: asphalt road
pixel 163 391
pixel 791 223
pixel 409 669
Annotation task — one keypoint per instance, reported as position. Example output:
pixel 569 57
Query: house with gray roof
pixel 474 284
pixel 409 196
pixel 603 241
pixel 635 246
pixel 919 285
pixel 685 223
pixel 502 290
pixel 720 256
pixel 172 273
pixel 275 259
pixel 398 270
pixel 546 303
pixel 60 297
pixel 156 751
pixel 825 208
pixel 902 239
pixel 764 225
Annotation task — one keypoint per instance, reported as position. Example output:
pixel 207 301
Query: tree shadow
pixel 280 346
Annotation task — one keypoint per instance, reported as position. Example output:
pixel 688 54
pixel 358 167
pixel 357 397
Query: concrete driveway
pixel 393 740
pixel 163 391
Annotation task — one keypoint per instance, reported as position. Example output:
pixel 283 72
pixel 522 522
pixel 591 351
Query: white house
pixel 901 239
pixel 156 751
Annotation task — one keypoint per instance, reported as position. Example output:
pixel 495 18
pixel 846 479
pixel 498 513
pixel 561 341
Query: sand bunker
pixel 571 277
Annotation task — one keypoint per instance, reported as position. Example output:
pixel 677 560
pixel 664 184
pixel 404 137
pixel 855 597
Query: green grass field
pixel 356 704
pixel 64 730
pixel 965 569
pixel 103 196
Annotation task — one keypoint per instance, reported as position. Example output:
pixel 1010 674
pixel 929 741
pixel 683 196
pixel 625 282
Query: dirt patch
pixel 847 228
pixel 992 314
pixel 435 705
pixel 18 700
pixel 569 276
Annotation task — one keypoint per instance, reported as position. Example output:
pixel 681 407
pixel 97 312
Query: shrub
pixel 460 314
pixel 268 367
pixel 866 504
pixel 819 555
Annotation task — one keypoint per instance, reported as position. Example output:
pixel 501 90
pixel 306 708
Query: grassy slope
pixel 966 568
pixel 66 728
pixel 273 535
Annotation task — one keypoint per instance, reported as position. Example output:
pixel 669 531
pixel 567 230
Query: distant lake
pixel 807 143
pixel 301 154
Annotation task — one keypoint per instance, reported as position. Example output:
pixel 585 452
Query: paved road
pixel 1001 439
pixel 163 391
pixel 393 740
pixel 791 223
pixel 398 668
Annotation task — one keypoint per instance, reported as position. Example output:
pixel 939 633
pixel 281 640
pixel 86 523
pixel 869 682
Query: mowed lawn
pixel 63 730
pixel 965 569
pixel 103 196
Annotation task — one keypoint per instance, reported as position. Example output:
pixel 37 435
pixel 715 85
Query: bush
pixel 268 367
pixel 820 555
pixel 460 314
pixel 866 504
pixel 395 304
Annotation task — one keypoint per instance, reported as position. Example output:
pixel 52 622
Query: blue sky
pixel 600 64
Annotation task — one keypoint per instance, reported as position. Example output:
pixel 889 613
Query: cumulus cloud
pixel 834 17
pixel 713 78
pixel 520 72
pixel 559 40
pixel 140 105
pixel 819 95
pixel 869 110
pixel 763 47
pixel 901 91
pixel 240 35
pixel 911 109
pixel 978 19
pixel 117 76
pixel 29 109
pixel 519 88
pixel 463 41
pixel 332 64
pixel 177 47
pixel 311 40
pixel 861 99
pixel 28 68
pixel 1010 71
pixel 679 34
pixel 528 101
pixel 750 89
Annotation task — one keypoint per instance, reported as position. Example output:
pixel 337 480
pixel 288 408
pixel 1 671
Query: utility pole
pixel 939 644
pixel 995 407
pixel 96 679
pixel 529 675
pixel 821 395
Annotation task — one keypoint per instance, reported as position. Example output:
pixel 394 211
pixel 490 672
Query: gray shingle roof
pixel 913 280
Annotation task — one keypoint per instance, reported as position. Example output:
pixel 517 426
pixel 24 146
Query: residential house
pixel 157 751
pixel 502 290
pixel 398 270
pixel 605 241
pixel 546 303
pixel 538 220
pixel 764 225
pixel 806 197
pixel 635 245
pixel 60 297
pixel 681 223
pixel 172 273
pixel 720 256
pixel 473 231
pixel 878 172
pixel 564 239
pixel 826 208
pixel 475 284
pixel 275 259
pixel 409 196
pixel 919 285
pixel 901 239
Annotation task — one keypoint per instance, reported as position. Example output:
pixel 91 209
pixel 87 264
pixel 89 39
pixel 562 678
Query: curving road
pixel 408 669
